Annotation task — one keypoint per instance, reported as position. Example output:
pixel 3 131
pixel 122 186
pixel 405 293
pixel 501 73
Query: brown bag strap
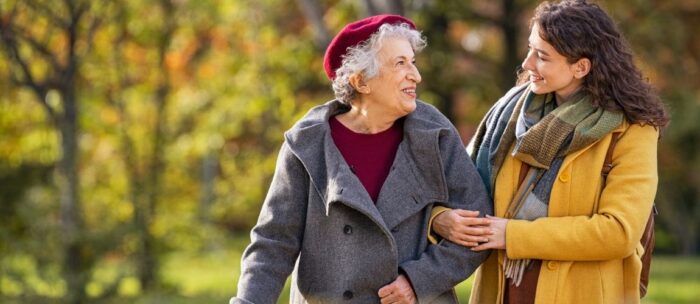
pixel 607 166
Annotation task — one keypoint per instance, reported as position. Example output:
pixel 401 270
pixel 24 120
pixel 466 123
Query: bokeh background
pixel 138 137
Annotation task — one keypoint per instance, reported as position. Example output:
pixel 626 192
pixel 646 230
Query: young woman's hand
pixel 497 240
pixel 462 227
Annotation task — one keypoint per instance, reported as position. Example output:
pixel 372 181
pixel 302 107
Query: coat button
pixel 395 229
pixel 552 265
pixel 564 177
pixel 347 295
pixel 347 229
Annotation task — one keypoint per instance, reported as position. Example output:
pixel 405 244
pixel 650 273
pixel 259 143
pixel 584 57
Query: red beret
pixel 354 34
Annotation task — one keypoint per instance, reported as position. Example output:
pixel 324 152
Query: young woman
pixel 562 233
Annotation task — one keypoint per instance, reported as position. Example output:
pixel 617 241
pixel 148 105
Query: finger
pixel 473 221
pixel 467 213
pixel 481 247
pixel 466 244
pixel 470 238
pixel 474 231
pixel 386 301
pixel 386 290
pixel 391 298
pixel 473 239
pixel 485 246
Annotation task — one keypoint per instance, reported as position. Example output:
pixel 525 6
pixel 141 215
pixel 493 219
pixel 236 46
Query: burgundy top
pixel 369 156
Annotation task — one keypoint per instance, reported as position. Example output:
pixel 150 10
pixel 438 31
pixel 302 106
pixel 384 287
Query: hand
pixel 462 227
pixel 399 291
pixel 497 240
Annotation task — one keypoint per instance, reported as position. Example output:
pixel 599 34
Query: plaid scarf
pixel 542 134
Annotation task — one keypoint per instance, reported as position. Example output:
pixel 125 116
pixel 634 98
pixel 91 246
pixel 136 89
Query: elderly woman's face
pixel 394 87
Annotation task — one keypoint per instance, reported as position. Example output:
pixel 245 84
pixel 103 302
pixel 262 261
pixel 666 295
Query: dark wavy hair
pixel 578 29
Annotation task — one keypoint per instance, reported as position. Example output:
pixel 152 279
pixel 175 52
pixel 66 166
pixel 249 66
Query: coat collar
pixel 606 139
pixel 415 173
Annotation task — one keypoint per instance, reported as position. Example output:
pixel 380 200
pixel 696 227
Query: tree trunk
pixel 313 14
pixel 511 61
pixel 75 265
pixel 209 165
pixel 368 8
pixel 148 259
pixel 395 7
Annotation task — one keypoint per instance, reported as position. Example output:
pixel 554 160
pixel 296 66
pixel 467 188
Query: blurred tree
pixel 472 55
pixel 44 42
pixel 173 111
pixel 168 47
pixel 662 35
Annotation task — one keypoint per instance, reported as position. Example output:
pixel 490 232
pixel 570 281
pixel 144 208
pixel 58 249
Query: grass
pixel 211 277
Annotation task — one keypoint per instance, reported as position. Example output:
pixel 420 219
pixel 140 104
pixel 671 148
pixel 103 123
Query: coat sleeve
pixel 445 264
pixel 276 238
pixel 615 230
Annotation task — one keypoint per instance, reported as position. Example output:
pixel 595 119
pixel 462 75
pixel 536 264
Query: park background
pixel 138 138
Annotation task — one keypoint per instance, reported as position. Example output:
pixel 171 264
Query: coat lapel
pixel 400 196
pixel 345 188
pixel 415 181
pixel 416 178
pixel 329 173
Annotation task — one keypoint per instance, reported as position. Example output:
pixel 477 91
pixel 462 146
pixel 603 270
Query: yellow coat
pixel 589 243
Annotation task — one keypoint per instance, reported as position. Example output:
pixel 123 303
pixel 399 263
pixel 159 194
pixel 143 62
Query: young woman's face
pixel 394 88
pixel 548 70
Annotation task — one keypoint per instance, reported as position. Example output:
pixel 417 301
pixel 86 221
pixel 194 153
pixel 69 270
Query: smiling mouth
pixel 535 78
pixel 410 91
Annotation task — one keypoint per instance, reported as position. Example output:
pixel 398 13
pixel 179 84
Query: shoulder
pixel 315 122
pixel 427 116
pixel 315 116
pixel 637 132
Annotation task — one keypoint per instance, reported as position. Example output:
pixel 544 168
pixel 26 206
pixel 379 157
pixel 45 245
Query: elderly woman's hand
pixel 399 291
pixel 498 239
pixel 463 227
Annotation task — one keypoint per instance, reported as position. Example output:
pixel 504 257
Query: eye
pixel 400 62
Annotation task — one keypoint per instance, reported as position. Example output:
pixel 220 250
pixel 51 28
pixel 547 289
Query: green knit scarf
pixel 544 135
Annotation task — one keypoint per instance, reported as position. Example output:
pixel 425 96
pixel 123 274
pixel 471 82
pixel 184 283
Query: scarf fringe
pixel 514 269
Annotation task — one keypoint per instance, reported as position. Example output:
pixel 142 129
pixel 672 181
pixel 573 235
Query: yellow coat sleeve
pixel 611 232
pixel 432 236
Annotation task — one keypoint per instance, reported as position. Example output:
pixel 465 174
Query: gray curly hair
pixel 363 58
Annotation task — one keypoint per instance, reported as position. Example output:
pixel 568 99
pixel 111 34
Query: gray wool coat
pixel 318 221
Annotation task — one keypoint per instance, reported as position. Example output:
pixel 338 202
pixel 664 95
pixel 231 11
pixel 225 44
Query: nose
pixel 528 64
pixel 414 74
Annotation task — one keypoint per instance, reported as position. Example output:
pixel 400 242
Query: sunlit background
pixel 138 138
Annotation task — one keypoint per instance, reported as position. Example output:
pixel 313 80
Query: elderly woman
pixel 566 233
pixel 355 183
